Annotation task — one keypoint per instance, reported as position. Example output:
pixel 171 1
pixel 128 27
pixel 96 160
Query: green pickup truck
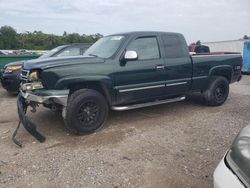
pixel 121 72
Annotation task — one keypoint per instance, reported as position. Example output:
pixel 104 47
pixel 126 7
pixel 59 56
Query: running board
pixel 153 103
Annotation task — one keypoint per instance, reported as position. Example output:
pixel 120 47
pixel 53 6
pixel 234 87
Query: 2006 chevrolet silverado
pixel 121 72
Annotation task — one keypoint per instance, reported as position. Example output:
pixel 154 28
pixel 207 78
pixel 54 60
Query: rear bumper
pixel 239 78
pixel 224 177
pixel 236 77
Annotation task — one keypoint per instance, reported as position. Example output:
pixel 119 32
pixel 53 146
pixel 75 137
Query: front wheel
pixel 217 92
pixel 86 111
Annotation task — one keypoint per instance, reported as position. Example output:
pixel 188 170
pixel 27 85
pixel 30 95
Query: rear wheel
pixel 217 92
pixel 86 111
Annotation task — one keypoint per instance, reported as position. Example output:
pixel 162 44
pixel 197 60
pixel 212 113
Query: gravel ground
pixel 173 145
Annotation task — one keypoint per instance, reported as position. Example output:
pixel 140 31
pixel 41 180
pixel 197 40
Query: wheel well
pixel 91 85
pixel 225 73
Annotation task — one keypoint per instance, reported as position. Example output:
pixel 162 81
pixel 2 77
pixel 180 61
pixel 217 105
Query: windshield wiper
pixel 93 55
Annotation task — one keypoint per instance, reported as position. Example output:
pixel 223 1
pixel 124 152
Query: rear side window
pixel 146 48
pixel 174 46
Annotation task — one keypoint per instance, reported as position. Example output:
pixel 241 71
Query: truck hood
pixel 60 61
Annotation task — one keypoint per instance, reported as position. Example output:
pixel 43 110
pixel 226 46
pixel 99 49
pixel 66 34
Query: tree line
pixel 37 40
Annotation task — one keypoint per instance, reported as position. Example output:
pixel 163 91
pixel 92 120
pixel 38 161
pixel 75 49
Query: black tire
pixel 217 92
pixel 86 111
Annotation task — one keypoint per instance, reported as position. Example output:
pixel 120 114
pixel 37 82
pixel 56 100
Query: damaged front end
pixel 32 99
pixel 22 106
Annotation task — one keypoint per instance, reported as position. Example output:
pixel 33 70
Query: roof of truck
pixel 76 44
pixel 145 32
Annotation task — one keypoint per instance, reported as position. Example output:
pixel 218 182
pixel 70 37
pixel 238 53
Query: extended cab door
pixel 178 64
pixel 143 78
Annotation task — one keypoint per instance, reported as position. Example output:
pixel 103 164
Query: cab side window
pixel 74 51
pixel 146 48
pixel 173 46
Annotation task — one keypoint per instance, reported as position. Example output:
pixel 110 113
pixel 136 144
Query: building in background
pixel 242 46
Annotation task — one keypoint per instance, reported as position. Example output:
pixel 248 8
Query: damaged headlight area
pixel 238 157
pixel 32 86
pixel 34 76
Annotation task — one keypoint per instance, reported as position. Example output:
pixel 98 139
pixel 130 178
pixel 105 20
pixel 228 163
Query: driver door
pixel 141 79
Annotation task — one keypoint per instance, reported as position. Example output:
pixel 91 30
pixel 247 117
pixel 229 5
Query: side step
pixel 153 103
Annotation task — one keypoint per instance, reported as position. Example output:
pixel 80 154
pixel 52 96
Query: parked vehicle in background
pixel 121 72
pixel 2 54
pixel 5 59
pixel 234 169
pixel 11 73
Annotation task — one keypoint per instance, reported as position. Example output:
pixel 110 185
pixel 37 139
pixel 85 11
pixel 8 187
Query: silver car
pixel 234 169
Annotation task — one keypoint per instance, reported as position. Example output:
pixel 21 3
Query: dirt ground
pixel 171 146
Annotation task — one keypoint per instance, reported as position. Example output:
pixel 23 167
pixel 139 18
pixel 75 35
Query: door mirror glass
pixel 130 56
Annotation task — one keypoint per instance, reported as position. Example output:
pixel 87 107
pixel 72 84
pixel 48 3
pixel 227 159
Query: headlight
pixel 31 86
pixel 238 156
pixel 13 68
pixel 34 76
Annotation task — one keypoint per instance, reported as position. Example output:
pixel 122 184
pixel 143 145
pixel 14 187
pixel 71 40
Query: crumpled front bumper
pixel 32 99
pixel 28 125
pixel 46 96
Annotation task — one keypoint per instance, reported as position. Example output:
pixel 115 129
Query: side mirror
pixel 130 56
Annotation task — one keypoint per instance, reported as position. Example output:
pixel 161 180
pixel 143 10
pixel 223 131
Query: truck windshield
pixel 105 47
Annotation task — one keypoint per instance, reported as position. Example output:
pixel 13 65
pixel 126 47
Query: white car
pixel 234 169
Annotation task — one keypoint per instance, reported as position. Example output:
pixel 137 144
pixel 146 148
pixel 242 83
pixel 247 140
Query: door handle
pixel 160 67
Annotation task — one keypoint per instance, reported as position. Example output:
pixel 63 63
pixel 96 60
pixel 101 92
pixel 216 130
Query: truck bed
pixel 205 64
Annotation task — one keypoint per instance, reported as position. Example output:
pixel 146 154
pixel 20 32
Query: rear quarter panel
pixel 204 66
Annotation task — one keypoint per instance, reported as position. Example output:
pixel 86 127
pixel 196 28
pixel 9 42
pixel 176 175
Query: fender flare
pixel 104 82
pixel 222 70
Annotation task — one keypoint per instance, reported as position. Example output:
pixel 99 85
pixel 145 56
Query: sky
pixel 205 20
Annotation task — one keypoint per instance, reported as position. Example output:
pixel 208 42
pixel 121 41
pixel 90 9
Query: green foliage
pixel 37 40
pixel 8 38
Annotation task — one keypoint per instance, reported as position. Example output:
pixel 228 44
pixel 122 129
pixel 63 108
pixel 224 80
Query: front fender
pixel 65 82
pixel 98 81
